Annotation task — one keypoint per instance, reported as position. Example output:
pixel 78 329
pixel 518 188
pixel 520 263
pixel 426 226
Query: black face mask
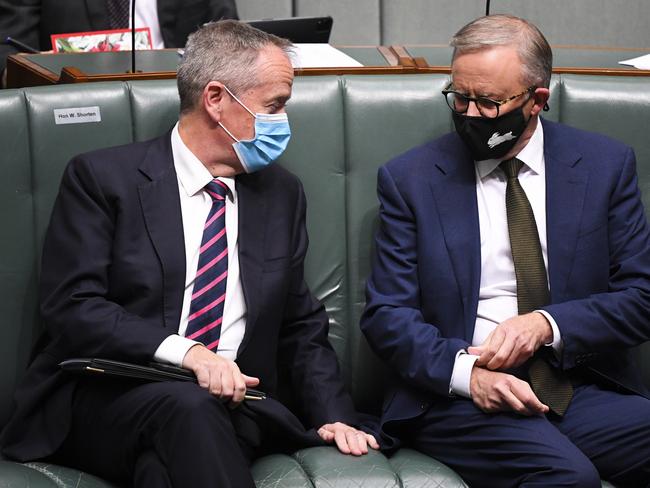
pixel 490 138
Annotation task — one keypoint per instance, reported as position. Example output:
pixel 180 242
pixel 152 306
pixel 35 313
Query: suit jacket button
pixel 424 406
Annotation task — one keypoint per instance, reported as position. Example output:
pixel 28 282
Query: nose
pixel 472 109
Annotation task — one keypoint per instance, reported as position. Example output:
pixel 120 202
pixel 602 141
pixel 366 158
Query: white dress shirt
pixel 195 206
pixel 146 15
pixel 498 288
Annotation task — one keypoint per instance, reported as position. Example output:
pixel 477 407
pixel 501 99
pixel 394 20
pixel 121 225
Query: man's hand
pixel 218 375
pixel 513 342
pixel 348 439
pixel 500 392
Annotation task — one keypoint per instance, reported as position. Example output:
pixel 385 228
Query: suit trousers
pixel 159 435
pixel 602 434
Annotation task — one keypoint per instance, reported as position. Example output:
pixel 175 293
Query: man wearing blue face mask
pixel 272 134
pixel 511 279
pixel 187 249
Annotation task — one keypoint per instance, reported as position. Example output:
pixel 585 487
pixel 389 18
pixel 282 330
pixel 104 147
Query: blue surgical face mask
pixel 272 134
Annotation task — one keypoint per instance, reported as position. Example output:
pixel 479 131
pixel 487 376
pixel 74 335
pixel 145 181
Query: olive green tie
pixel 550 385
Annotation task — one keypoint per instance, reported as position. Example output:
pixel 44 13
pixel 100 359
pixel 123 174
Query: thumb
pixel 475 350
pixel 326 434
pixel 251 380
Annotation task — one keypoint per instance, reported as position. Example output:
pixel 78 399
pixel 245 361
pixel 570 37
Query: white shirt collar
pixel 532 155
pixel 192 174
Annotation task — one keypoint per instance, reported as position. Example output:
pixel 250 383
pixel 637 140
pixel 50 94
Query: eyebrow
pixel 281 98
pixel 491 95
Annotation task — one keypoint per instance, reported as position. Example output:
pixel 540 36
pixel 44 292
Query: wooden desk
pixel 436 58
pixel 49 69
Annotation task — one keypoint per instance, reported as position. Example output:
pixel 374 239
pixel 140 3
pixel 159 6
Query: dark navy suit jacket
pixel 112 283
pixel 422 295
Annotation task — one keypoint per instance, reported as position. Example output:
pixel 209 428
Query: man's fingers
pixel 228 382
pixel 239 386
pixel 348 440
pixel 491 346
pixel 251 381
pixel 220 376
pixel 515 404
pixel 475 350
pixel 355 444
pixel 481 351
pixel 341 441
pixel 203 377
pixel 372 442
pixel 526 395
pixel 501 354
pixel 515 359
pixel 325 434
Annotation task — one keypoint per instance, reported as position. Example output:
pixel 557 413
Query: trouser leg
pixel 150 471
pixel 190 432
pixel 500 450
pixel 613 430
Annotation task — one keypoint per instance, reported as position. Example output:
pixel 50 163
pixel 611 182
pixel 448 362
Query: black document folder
pixel 152 372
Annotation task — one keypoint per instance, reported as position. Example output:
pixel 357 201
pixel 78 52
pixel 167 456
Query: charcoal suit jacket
pixel 112 282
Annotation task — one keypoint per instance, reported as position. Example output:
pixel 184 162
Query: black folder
pixel 151 372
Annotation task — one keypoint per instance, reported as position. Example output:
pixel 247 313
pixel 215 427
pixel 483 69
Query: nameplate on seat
pixel 77 115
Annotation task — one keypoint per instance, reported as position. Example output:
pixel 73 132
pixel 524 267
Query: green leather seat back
pixel 620 108
pixel 53 145
pixel 554 102
pixel 35 152
pixel 155 106
pixel 615 106
pixel 316 154
pixel 17 246
pixel 344 128
pixel 385 116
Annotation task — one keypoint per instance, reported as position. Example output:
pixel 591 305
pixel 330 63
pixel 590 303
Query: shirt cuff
pixel 461 374
pixel 173 349
pixel 556 344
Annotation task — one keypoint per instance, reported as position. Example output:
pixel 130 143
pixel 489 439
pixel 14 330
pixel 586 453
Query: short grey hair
pixel 224 51
pixel 506 30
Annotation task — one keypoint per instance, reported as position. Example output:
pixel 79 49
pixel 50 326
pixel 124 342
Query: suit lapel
pixel 566 183
pixel 454 191
pixel 161 209
pixel 252 207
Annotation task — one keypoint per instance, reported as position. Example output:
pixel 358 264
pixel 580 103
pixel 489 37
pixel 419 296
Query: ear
pixel 214 96
pixel 540 97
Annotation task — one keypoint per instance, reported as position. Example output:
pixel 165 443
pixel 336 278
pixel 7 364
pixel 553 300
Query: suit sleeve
pixel 18 19
pixel 392 320
pixel 304 349
pixel 78 315
pixel 618 318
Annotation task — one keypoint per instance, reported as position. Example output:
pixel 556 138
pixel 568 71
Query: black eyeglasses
pixel 487 107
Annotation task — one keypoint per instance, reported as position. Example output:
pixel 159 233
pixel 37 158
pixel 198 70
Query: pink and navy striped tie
pixel 209 293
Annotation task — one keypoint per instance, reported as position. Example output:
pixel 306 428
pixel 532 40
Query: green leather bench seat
pixel 344 128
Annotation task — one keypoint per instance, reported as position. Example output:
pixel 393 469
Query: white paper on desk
pixel 642 62
pixel 321 56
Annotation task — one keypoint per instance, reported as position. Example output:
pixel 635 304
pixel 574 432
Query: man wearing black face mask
pixel 511 277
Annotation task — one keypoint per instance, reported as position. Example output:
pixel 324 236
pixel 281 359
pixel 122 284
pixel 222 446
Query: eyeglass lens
pixel 460 103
